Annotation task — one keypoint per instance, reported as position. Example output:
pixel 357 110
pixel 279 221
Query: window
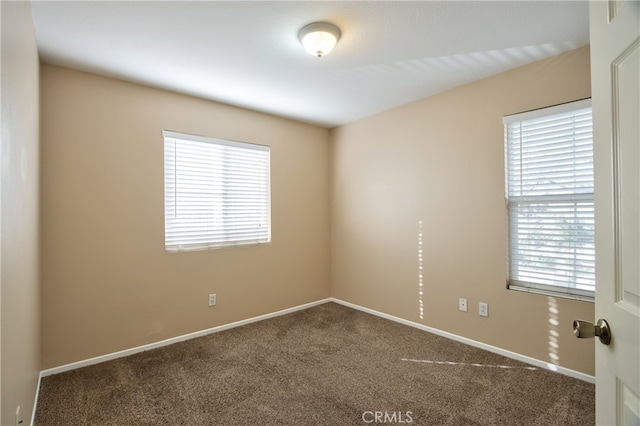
pixel 549 191
pixel 216 193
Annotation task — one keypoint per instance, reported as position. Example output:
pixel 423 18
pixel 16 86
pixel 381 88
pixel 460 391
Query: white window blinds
pixel 549 190
pixel 217 192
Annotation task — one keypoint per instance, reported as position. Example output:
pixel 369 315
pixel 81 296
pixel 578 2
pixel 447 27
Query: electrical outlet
pixel 212 300
pixel 483 309
pixel 462 305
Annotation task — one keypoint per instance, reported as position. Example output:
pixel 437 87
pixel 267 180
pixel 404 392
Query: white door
pixel 615 74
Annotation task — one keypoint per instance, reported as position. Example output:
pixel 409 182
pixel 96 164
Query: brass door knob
pixel 587 330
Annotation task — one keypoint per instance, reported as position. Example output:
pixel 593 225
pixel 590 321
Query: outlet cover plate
pixel 483 309
pixel 212 300
pixel 462 304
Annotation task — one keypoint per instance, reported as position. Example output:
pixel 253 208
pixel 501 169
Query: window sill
pixel 550 293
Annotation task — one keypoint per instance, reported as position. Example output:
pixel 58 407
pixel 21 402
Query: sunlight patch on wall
pixel 420 273
pixel 554 334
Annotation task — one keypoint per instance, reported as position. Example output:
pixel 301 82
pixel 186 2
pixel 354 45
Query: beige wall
pixel 439 161
pixel 108 284
pixel 19 266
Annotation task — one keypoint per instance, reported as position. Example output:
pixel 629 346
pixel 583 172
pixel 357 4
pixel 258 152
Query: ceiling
pixel 248 54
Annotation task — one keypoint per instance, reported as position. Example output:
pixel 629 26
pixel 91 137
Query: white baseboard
pixel 465 340
pixel 490 348
pixel 35 401
pixel 138 349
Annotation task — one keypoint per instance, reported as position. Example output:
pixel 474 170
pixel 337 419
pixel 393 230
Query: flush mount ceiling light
pixel 319 38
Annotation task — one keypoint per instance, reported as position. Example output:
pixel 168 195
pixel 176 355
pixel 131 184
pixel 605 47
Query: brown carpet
pixel 328 365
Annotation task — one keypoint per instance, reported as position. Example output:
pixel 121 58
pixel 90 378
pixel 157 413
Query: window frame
pixel 215 233
pixel 575 197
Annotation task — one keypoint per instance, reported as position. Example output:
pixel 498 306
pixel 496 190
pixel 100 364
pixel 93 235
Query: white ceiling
pixel 248 54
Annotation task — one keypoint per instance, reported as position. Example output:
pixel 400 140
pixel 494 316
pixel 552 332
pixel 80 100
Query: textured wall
pixel 108 284
pixel 436 166
pixel 19 207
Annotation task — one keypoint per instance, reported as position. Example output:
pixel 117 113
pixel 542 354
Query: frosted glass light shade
pixel 319 38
